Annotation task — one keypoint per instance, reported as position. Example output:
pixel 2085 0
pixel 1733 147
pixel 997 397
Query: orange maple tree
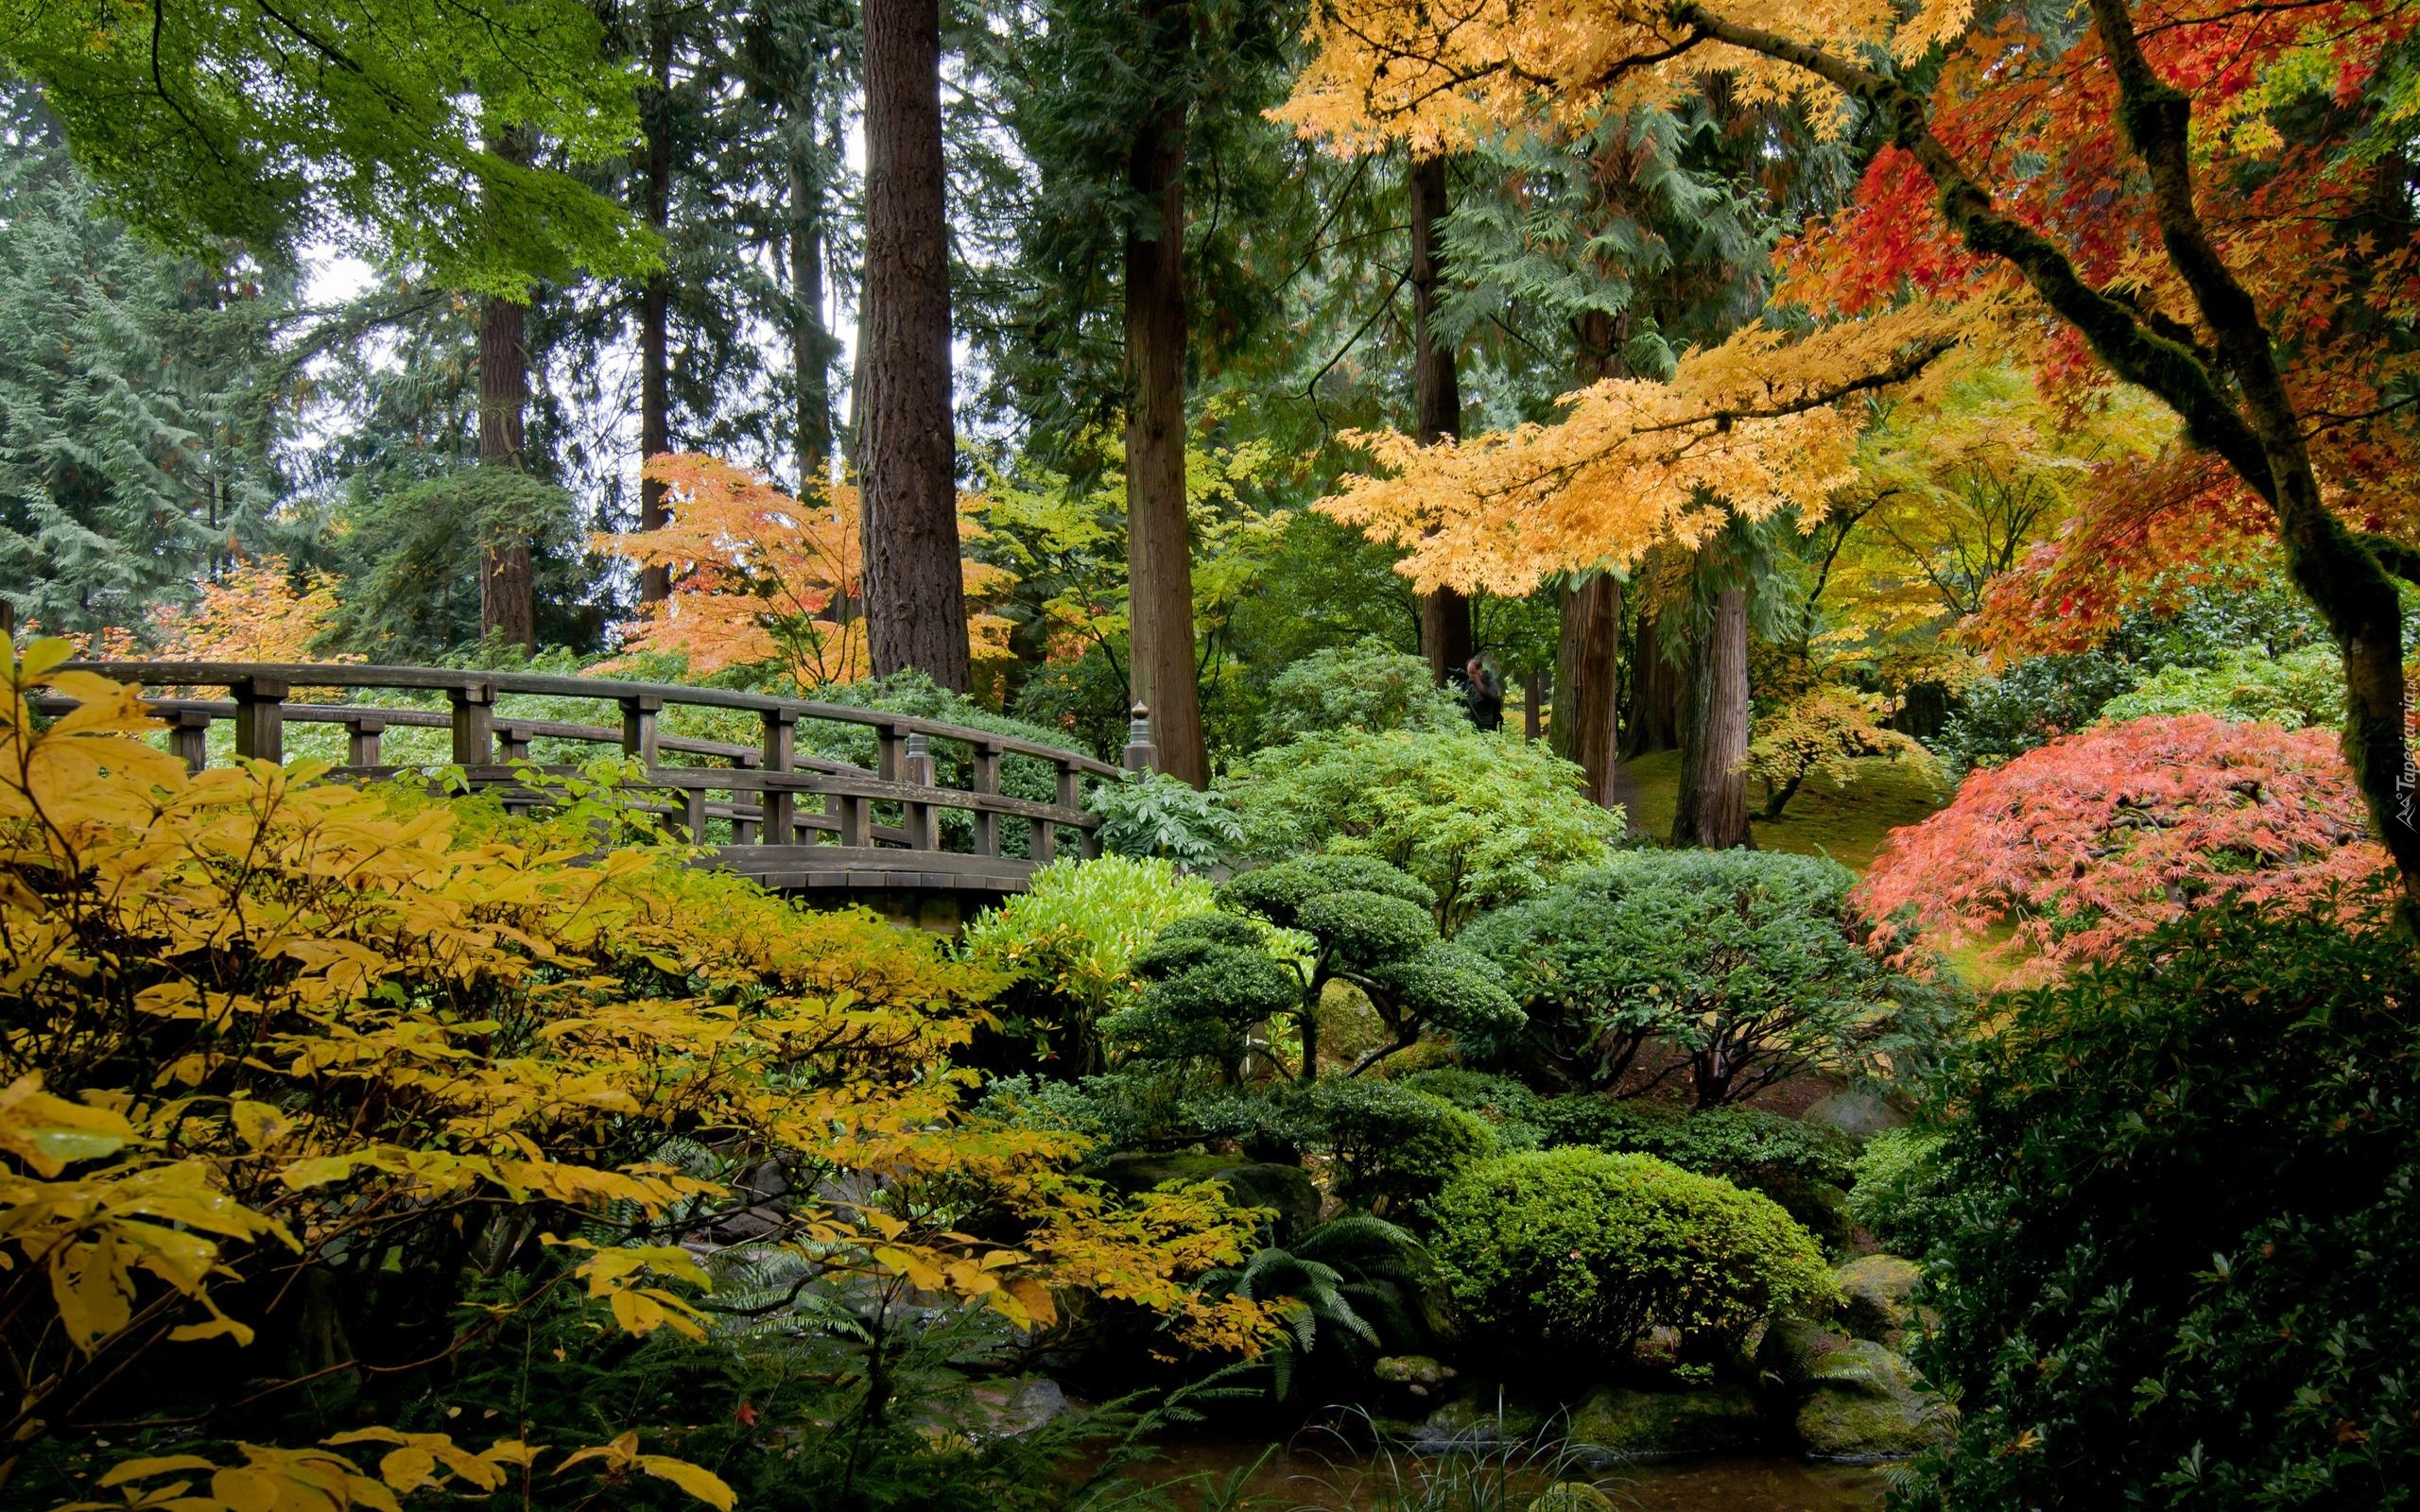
pixel 759 576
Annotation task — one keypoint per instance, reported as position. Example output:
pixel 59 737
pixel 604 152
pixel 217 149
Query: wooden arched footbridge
pixel 888 831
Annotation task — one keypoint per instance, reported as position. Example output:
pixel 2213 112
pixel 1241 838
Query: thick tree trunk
pixel 1658 692
pixel 1588 691
pixel 1159 552
pixel 1587 683
pixel 810 341
pixel 1713 810
pixel 507 592
pixel 655 299
pixel 1436 400
pixel 915 597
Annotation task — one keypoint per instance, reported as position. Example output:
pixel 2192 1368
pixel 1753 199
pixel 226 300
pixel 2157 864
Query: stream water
pixel 1328 1478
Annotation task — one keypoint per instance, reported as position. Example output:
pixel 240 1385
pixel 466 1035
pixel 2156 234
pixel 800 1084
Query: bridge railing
pixel 794 817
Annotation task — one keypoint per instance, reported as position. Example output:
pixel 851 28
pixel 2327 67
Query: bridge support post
pixel 781 751
pixel 189 739
pixel 260 719
pixel 474 724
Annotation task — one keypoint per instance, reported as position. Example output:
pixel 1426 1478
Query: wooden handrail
pixel 448 679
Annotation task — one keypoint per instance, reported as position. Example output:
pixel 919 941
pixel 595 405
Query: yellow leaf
pixel 407 1469
pixel 135 1470
pixel 217 1327
pixel 260 1126
pixel 695 1479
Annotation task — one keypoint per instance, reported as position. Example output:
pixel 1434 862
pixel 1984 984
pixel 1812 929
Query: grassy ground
pixel 1846 823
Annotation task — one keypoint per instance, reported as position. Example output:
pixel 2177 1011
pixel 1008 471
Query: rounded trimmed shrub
pixel 1580 1250
pixel 1389 1142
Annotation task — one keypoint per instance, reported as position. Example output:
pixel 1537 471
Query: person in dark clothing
pixel 1483 694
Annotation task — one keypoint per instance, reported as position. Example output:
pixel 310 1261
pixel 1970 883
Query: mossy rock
pixel 1287 1190
pixel 1793 1347
pixel 1572 1496
pixel 1619 1423
pixel 1479 1419
pixel 1876 1289
pixel 1844 1422
pixel 1412 1370
pixel 1864 1369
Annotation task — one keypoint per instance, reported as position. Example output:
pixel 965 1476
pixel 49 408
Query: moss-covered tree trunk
pixel 1159 539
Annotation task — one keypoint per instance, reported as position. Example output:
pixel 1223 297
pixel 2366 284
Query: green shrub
pixel 1509 1108
pixel 1393 1146
pixel 2305 686
pixel 1581 1251
pixel 1069 942
pixel 1480 819
pixel 1900 1193
pixel 1745 963
pixel 1743 1145
pixel 1802 1166
pixel 2180 1261
pixel 1368 925
pixel 1155 815
pixel 1368 685
pixel 1210 981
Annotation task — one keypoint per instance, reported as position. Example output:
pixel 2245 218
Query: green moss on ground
pixel 1848 824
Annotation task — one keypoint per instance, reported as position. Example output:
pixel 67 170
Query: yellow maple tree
pixel 1750 427
pixel 258 611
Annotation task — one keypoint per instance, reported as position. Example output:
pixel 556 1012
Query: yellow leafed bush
pixel 274 1048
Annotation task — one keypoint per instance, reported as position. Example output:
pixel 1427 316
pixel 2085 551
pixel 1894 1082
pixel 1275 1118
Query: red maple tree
pixel 2100 837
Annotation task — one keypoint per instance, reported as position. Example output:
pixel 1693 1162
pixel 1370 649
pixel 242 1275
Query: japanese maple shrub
pixel 2088 843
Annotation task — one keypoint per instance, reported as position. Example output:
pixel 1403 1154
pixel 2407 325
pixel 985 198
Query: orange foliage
pixel 1750 427
pixel 2298 146
pixel 257 613
pixel 759 576
pixel 2100 837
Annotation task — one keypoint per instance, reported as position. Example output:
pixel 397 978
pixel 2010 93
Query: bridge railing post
pixel 260 717
pixel 474 724
pixel 986 779
pixel 916 770
pixel 638 729
pixel 1142 753
pixel 781 752
pixel 189 738
pixel 363 736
